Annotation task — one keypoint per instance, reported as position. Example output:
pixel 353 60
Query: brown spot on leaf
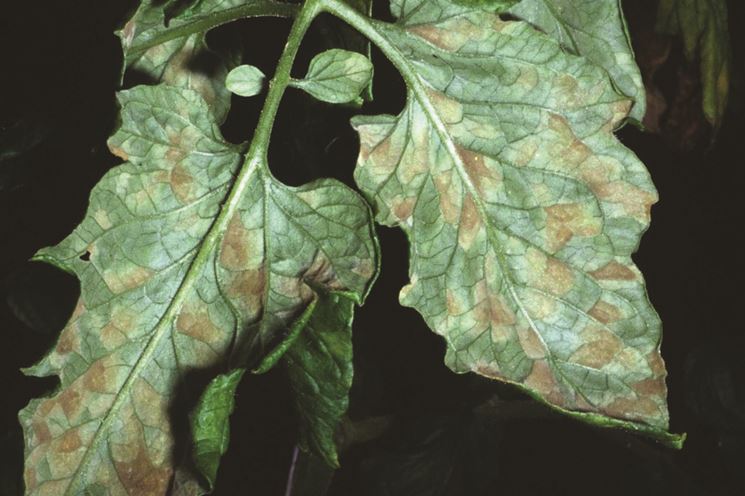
pixel 181 183
pixel 531 343
pixel 635 201
pixel 599 348
pixel 605 312
pixel 403 207
pixel 559 278
pixel 478 172
pixel 381 157
pixel 96 378
pixel 129 278
pixel 452 303
pixel 614 271
pixel 656 363
pixel 441 38
pixel 448 197
pixel 491 309
pixel 198 325
pixel 470 223
pixel 542 380
pixel 563 221
pixel 119 152
pixel 69 400
pixel 41 432
pixel 67 341
pixel 650 387
pixel 70 441
pixel 449 110
pixel 246 290
pixel 639 408
pixel 233 254
pixel 141 476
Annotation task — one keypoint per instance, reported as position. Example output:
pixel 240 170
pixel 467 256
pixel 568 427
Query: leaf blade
pixel 457 154
pixel 182 263
pixel 336 76
pixel 596 30
pixel 319 366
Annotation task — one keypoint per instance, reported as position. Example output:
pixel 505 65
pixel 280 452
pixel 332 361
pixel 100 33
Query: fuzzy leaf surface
pixel 595 29
pixel 180 265
pixel 703 26
pixel 319 366
pixel 522 210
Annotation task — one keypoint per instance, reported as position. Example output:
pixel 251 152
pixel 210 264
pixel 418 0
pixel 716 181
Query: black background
pixel 59 70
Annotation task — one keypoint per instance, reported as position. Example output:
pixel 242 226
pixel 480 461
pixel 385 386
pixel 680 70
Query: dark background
pixel 59 70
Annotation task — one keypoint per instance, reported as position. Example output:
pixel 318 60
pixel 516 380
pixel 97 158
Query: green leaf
pixel 183 260
pixel 522 210
pixel 595 29
pixel 703 26
pixel 173 50
pixel 319 366
pixel 245 80
pixel 341 35
pixel 336 76
pixel 210 423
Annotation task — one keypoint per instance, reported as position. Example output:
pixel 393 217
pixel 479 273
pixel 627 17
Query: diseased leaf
pixel 595 29
pixel 173 49
pixel 319 366
pixel 245 80
pixel 341 35
pixel 336 76
pixel 703 26
pixel 181 263
pixel 210 423
pixel 522 210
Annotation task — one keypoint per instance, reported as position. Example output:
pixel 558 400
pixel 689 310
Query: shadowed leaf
pixel 319 365
pixel 703 26
pixel 210 423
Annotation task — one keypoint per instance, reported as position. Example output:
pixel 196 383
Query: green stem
pixel 281 80
pixel 267 8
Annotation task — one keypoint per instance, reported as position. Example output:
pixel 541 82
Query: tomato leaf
pixel 184 262
pixel 336 76
pixel 595 29
pixel 319 365
pixel 210 423
pixel 522 210
pixel 245 80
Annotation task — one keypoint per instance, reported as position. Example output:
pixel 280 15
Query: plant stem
pixel 267 8
pixel 280 81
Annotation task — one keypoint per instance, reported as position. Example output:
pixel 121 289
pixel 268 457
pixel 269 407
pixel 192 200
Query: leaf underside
pixel 167 287
pixel 596 30
pixel 522 210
